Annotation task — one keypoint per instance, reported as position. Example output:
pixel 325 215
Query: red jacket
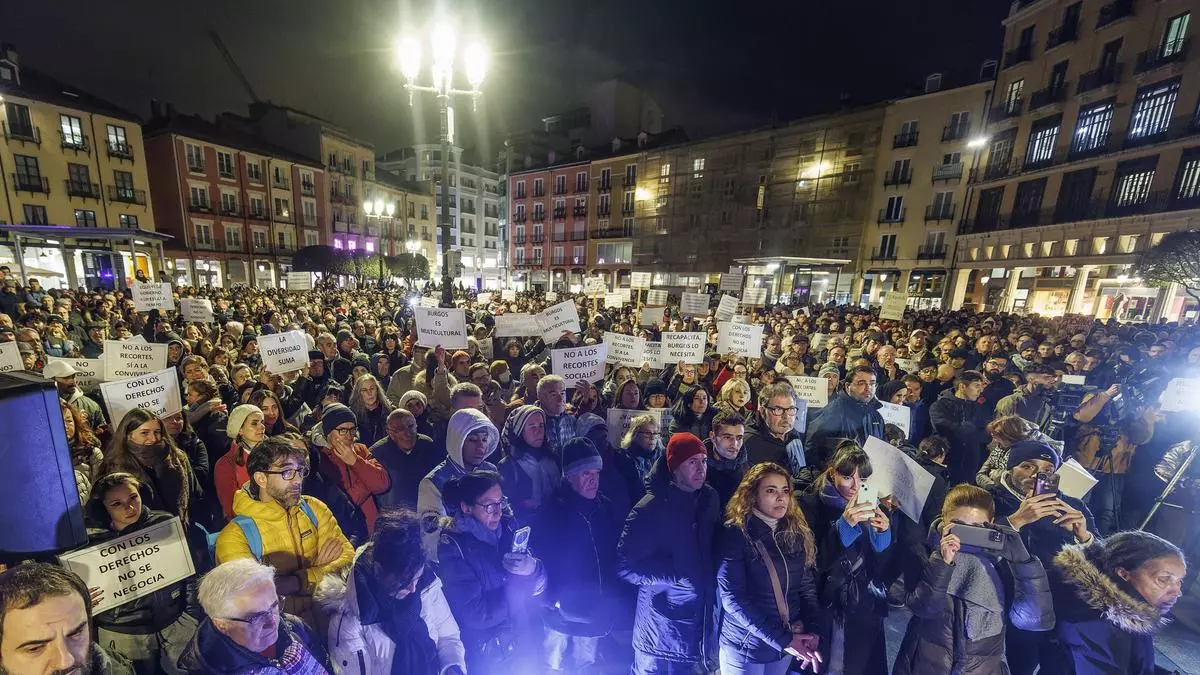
pixel 362 481
pixel 229 475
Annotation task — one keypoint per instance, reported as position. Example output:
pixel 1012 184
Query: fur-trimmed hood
pixel 1102 593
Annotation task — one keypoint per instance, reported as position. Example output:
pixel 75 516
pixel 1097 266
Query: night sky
pixel 713 66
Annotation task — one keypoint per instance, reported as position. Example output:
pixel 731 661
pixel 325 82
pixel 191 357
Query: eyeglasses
pixel 346 430
pixel 492 508
pixel 258 620
pixel 782 412
pixel 290 474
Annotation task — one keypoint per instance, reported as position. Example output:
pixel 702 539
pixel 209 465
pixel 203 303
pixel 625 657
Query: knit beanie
pixel 237 417
pixel 1023 451
pixel 830 368
pixel 655 386
pixel 888 390
pixel 579 455
pixel 682 447
pixel 410 395
pixel 334 416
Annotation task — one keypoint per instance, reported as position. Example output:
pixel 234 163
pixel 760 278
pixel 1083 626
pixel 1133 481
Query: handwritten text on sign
pixel 683 347
pixel 657 296
pixel 580 363
pixel 127 358
pixel 814 390
pixel 299 281
pixel 283 352
pixel 196 310
pixel 754 296
pixel 517 325
pixel 652 354
pixel 133 566
pixel 10 357
pixel 893 306
pixel 640 280
pixel 732 282
pixel 727 307
pixel 624 349
pixel 153 296
pixel 894 413
pixel 558 319
pixel 693 304
pixel 739 338
pixel 441 326
pixel 157 392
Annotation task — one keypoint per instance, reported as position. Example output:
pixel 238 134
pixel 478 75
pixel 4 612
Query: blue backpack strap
pixel 308 511
pixel 250 531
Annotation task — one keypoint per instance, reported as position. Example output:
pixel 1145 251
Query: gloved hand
pixel 1014 548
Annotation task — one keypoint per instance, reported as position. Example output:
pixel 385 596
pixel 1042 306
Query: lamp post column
pixel 444 212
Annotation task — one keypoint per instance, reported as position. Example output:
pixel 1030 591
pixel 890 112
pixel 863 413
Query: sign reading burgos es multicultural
pixel 438 326
pixel 133 566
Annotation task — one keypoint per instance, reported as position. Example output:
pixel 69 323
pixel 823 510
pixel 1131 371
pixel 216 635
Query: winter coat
pixel 559 430
pixel 357 639
pixel 788 452
pixel 666 550
pixel 843 417
pixel 229 475
pixel 1042 537
pixel 210 428
pixel 405 469
pixel 298 652
pixel 360 481
pixel 197 454
pixel 964 425
pixel 752 625
pixel 429 491
pixel 1104 627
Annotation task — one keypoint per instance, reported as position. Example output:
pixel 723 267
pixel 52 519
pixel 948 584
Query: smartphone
pixel 521 540
pixel 983 537
pixel 867 495
pixel 1046 483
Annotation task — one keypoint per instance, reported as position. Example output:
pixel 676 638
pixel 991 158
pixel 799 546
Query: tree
pixel 1175 259
pixel 408 266
pixel 323 259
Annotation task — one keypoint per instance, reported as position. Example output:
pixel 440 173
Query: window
pixel 337 243
pixel 124 184
pixel 894 212
pixel 614 253
pixel 72 132
pixel 366 168
pixel 1013 96
pixel 233 237
pixel 520 189
pixel 960 124
pixel 840 242
pixel 225 164
pixel 85 218
pixel 1152 108
pixel 310 212
pixel 943 205
pixel 257 207
pixel 310 238
pixel 537 256
pixel 887 246
pixel 1028 202
pixel 282 208
pixel 1187 179
pixel 412 210
pixel 577 255
pixel 908 129
pixel 20 125
pixel 204 234
pixel 1000 154
pixel 199 197
pixel 35 215
pixel 698 167
pixel 630 174
pixel 28 171
pixel 1131 186
pixel 519 256
pixel 424 212
pixel 1175 36
pixel 195 158
pixel 80 178
pixel 988 215
pixel 539 187
pixel 128 221
pixel 560 185
pixel 1075 195
pixel 260 238
pixel 851 173
pixel 900 171
pixel 254 171
pixel 1092 129
pixel 370 247
pixel 935 241
pixel 664 173
pixel 229 203
pixel 952 158
pixel 605 179
pixel 351 244
pixel 1042 137
pixel 581 181
pixel 627 203
pixel 605 205
pixel 116 139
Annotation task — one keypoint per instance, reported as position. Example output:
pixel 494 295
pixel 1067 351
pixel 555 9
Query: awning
pixel 56 235
pixel 793 261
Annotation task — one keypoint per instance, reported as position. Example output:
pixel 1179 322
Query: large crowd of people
pixel 397 507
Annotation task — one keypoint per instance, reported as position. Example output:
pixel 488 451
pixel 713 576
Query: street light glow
pixel 475 60
pixel 977 142
pixel 443 43
pixel 408 57
pixel 379 206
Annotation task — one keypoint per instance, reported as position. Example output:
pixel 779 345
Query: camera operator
pixel 1109 459
pixel 1034 400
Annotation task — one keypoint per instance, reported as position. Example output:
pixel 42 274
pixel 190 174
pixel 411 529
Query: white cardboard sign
pixel 652 355
pixel 283 352
pixel 517 325
pixel 895 473
pixel 196 310
pixel 619 420
pixel 1074 480
pixel 640 280
pixel 732 282
pixel 1180 395
pixel 135 565
pixel 594 287
pixel 153 296
pixel 10 357
pixel 157 392
pixel 910 366
pixel 508 294
pixel 551 296
pixel 754 297
pixel 740 338
pixel 895 413
pixel 817 342
pixel 652 316
pixel 88 372
pixel 441 326
pixel 483 298
pixel 893 306
pixel 624 349
pixel 685 347
pixel 693 304
pixel 427 301
pixel 814 390
pixel 657 296
pixel 726 308
pixel 127 358
pixel 612 300
pixel 563 317
pixel 299 281
pixel 575 364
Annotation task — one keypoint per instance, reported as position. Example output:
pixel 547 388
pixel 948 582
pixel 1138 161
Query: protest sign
pixel 652 316
pixel 153 296
pixel 126 358
pixel 624 349
pixel 801 423
pixel 10 357
pixel 619 420
pixel 483 298
pixel 517 325
pixel 1180 396
pixel 817 342
pixel 427 301
pixel 157 392
pixel 283 352
pixel 657 297
pixel 740 338
pixel 135 565
pixel 732 282
pixel 551 296
pixel 299 281
pixel 137 339
pixel 577 364
pixel 754 297
pixel 508 294
pixel 813 390
pixel 895 473
pixel 196 310
pixel 895 413
pixel 726 308
pixel 910 366
pixel 640 280
pixel 1074 480
pixel 693 304
pixel 88 372
pixel 652 355
pixel 893 306
pixel 594 287
pixel 438 326
pixel 685 347
pixel 612 300
pixel 558 319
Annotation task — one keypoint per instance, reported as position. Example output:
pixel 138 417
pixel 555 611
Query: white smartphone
pixel 867 495
pixel 521 540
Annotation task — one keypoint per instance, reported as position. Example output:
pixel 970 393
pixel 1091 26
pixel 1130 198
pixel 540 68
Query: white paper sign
pixel 558 319
pixel 801 423
pixel 652 355
pixel 153 296
pixel 283 352
pixel 652 316
pixel 551 296
pixel 817 342
pixel 813 390
pixel 441 326
pixel 693 304
pixel 640 280
pixel 508 294
pixel 10 357
pixel 1181 395
pixel 740 338
pixel 726 308
pixel 1074 480
pixel 657 296
pixel 580 363
pixel 754 297
pixel 427 301
pixel 157 392
pixel 594 286
pixel 196 310
pixel 517 325
pixel 137 339
pixel 135 565
pixel 483 298
pixel 893 306
pixel 895 413
pixel 909 366
pixel 299 281
pixel 619 420
pixel 126 358
pixel 88 372
pixel 612 300
pixel 624 349
pixel 685 347
pixel 895 473
pixel 732 282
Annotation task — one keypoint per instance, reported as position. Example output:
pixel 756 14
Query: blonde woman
pixel 766 579
pixel 735 397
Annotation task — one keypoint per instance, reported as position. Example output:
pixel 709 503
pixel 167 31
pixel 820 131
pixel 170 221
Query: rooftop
pixel 194 126
pixel 39 86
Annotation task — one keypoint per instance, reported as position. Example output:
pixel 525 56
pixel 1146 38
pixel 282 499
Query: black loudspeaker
pixel 39 502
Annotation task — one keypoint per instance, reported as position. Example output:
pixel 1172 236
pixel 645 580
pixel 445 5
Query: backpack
pixel 250 531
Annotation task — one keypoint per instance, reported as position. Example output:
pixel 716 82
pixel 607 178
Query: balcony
pixel 905 140
pixel 519 240
pixel 282 183
pixel 560 214
pixel 73 141
pixel 195 167
pixel 893 177
pixel 936 212
pixel 520 217
pixel 1100 77
pixel 31 184
pixel 282 215
pixel 520 194
pixel 1044 97
pixel 886 216
pixel 23 133
pixel 340 226
pixel 955 132
pixel 931 253
pixel 538 238
pixel 947 172
pixel 581 188
pixel 1019 54
pixel 559 237
pixel 539 216
pixel 1062 35
pixel 262 247
pixel 606 186
pixel 627 209
pixel 558 260
pixel 1006 110
pixel 346 198
pixel 579 211
pixel 126 195
pixel 1113 12
pixel 580 235
pixel 257 214
pixel 539 192
pixel 883 254
pixel 284 247
pixel 560 190
pixel 468 210
pixel 308 189
pixel 612 233
pixel 257 178
pixel 1099 207
pixel 1168 53
pixel 199 207
pixel 604 210
pixel 1087 146
pixel 629 181
pixel 307 220
pixel 227 174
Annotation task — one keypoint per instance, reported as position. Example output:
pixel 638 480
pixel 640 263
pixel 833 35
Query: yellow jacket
pixel 289 542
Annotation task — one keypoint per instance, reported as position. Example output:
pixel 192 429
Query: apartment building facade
pixel 610 224
pixel 401 215
pixel 1093 155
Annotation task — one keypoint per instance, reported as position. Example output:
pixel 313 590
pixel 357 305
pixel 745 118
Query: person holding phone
pixel 961 608
pixel 488 574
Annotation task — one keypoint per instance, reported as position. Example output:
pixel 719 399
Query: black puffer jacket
pixel 964 424
pixel 844 417
pixel 1042 537
pixel 752 625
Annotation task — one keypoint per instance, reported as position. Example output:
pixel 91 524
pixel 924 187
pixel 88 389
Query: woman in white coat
pixel 389 615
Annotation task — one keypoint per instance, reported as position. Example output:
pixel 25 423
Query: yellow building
pixel 70 164
pixel 406 216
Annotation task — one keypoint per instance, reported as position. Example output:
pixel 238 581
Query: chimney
pixel 155 109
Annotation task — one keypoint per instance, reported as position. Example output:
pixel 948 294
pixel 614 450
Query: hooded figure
pixel 530 477
pixel 463 423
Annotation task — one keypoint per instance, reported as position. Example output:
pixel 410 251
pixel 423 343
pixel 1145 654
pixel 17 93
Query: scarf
pixel 975 582
pixel 830 496
pixel 400 620
pixel 197 412
pixel 148 455
pixel 468 525
pixel 539 481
